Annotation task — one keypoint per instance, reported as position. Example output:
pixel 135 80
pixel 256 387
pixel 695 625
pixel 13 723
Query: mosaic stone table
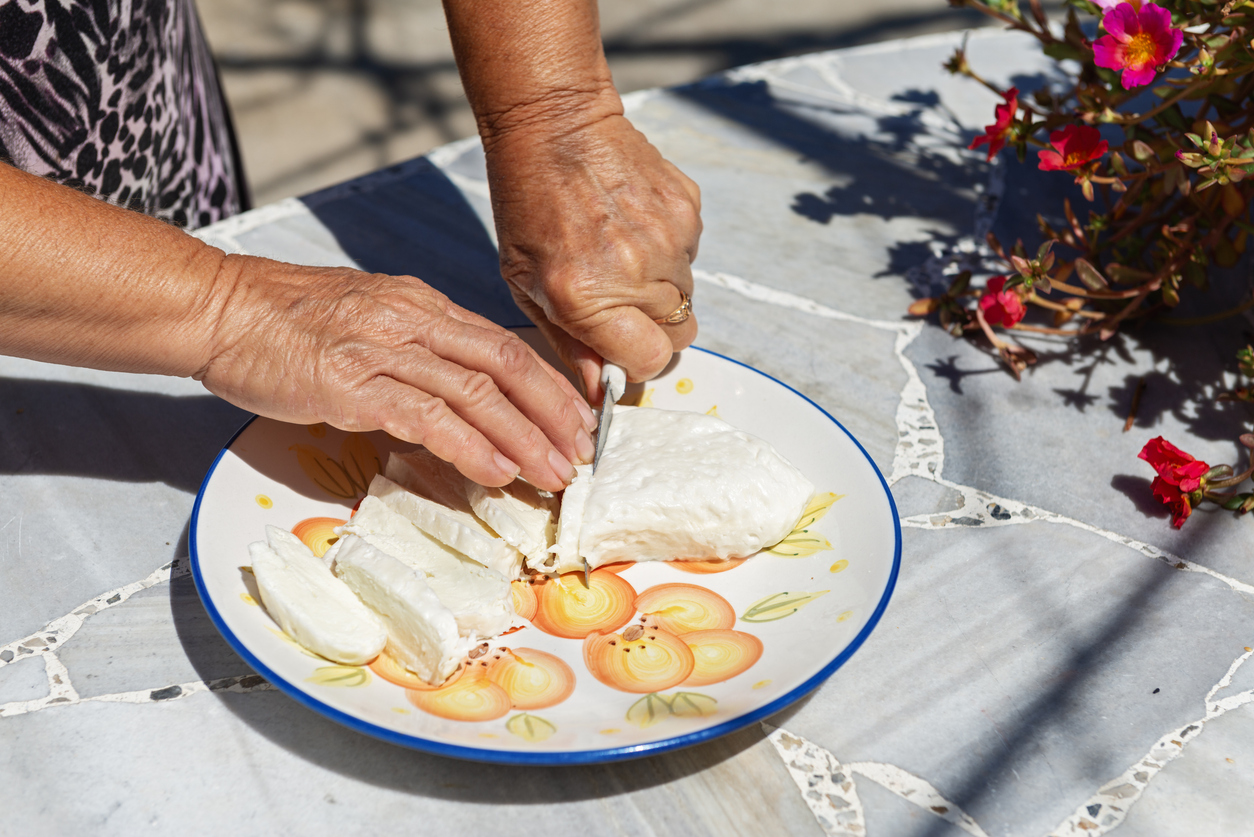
pixel 1056 659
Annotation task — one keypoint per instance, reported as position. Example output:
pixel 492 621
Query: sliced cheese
pixel 480 599
pixel 520 513
pixel 310 604
pixel 443 511
pixel 565 555
pixel 422 633
pixel 679 485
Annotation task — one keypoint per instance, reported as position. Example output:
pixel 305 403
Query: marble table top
pixel 1056 659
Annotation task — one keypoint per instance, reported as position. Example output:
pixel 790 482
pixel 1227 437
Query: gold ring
pixel 683 312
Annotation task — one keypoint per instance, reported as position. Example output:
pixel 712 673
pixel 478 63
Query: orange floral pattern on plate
pixel 639 660
pixel 569 609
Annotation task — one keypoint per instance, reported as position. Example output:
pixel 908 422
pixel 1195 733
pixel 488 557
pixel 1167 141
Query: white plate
pixel 831 598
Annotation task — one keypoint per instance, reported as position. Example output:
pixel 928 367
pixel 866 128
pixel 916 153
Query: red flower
pixel 1001 307
pixel 1073 146
pixel 1174 500
pixel 995 135
pixel 1140 41
pixel 1179 475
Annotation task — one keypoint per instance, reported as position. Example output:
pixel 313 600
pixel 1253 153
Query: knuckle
pixel 479 388
pixel 513 358
pixel 432 415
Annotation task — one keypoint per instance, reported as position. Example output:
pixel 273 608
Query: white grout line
pixel 981 509
pixel 240 684
pixel 1106 810
pixel 826 786
pixel 913 789
pixel 45 643
pixel 920 452
pixel 55 633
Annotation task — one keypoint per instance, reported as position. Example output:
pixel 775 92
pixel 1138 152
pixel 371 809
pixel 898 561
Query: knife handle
pixel 613 381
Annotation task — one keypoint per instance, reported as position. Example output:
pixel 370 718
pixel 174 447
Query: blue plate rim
pixel 551 758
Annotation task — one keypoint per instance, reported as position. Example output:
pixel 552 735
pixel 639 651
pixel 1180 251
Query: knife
pixel 614 384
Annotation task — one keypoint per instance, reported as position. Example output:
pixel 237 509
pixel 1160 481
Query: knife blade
pixel 614 384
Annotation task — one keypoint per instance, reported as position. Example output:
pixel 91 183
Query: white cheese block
pixel 422 633
pixel 443 511
pixel 310 604
pixel 565 556
pixel 479 598
pixel 520 513
pixel 688 486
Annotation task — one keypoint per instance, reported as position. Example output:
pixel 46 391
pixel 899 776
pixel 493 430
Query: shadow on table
pixel 62 428
pixel 336 748
pixel 901 165
pixel 410 219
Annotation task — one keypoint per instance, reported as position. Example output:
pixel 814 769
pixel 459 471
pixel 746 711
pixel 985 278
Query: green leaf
pixel 647 711
pixel 779 605
pixel 1062 51
pixel 530 728
pixel 1142 152
pixel 346 676
pixel 1125 275
pixel 1233 503
pixel 360 460
pixel 800 544
pixel 1173 117
pixel 1090 276
pixel 802 541
pixel 325 472
pixel 692 705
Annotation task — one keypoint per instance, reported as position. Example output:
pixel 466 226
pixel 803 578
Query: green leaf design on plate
pixel 325 472
pixel 802 541
pixel 347 676
pixel 647 711
pixel 360 460
pixel 778 605
pixel 530 728
pixel 692 704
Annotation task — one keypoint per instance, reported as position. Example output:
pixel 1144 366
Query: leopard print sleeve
pixel 119 98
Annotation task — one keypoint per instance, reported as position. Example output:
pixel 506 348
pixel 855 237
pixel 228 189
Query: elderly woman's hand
pixel 597 233
pixel 365 351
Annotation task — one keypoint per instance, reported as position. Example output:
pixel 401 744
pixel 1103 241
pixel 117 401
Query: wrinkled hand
pixel 365 351
pixel 597 234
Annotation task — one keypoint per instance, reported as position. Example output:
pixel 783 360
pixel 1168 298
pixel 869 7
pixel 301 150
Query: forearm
pixel 531 63
pixel 89 284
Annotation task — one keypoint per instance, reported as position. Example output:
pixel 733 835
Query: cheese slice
pixel 521 514
pixel 443 511
pixel 480 599
pixel 565 555
pixel 310 604
pixel 422 633
pixel 679 485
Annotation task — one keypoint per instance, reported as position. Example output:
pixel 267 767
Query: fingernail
pixel 563 469
pixel 506 465
pixel 584 446
pixel 589 418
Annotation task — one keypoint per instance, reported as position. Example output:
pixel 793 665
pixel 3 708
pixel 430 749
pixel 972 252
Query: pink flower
pixel 1139 42
pixel 995 135
pixel 1000 306
pixel 1073 146
pixel 1107 5
pixel 1179 475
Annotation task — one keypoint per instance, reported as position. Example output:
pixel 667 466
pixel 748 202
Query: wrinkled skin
pixel 369 351
pixel 597 234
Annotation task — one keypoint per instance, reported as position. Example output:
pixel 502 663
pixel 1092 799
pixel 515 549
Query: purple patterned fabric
pixel 119 98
